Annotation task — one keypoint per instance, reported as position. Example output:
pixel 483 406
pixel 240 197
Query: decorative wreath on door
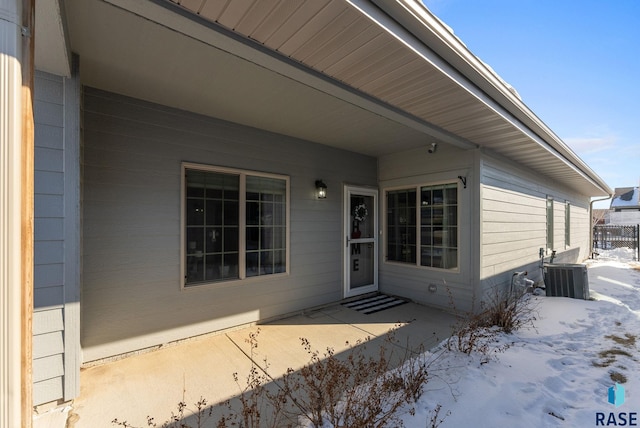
pixel 360 213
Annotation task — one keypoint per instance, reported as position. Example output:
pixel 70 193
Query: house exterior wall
pixel 133 152
pixel 416 168
pixel 56 352
pixel 623 217
pixel 514 222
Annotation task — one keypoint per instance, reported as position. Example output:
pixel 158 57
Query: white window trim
pixel 417 187
pixel 242 278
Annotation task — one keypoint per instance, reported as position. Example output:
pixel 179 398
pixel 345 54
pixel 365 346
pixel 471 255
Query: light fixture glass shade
pixel 321 189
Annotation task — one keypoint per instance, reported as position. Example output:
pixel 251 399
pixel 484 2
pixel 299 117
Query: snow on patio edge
pixel 557 373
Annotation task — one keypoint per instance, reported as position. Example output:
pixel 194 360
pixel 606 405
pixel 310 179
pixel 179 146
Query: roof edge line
pixel 480 74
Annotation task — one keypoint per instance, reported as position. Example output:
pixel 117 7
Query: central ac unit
pixel 566 280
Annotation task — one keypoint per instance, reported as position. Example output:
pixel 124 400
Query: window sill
pixel 232 282
pixel 415 266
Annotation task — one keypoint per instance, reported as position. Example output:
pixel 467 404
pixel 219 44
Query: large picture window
pixel 235 224
pixel 422 226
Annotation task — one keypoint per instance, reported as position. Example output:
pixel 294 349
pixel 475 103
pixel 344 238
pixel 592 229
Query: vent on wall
pixel 567 280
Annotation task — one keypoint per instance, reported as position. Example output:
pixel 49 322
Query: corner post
pixel 16 209
pixel 27 210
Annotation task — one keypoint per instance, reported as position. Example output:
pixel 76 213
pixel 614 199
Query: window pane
pixel 214 267
pixel 213 240
pixel 252 265
pixel 231 211
pixel 195 212
pixel 266 214
pixel 550 223
pixel 426 215
pixel 437 216
pixel 266 225
pixel 450 259
pixel 439 226
pixel 567 224
pixel 214 212
pixel 427 236
pixel 451 194
pixel 214 193
pixel 266 238
pixel 195 267
pixel 279 261
pixel 450 216
pixel 195 239
pixel 230 239
pixel 425 256
pixel 437 236
pixel 450 238
pixel 230 266
pixel 426 197
pixel 401 225
pixel 211 207
pixel 279 238
pixel 253 238
pixel 195 183
pixel 253 213
pixel 438 196
pixel 213 225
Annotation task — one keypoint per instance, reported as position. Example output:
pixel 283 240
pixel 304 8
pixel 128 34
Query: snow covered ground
pixel 556 373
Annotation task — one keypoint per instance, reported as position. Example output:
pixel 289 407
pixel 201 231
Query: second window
pixel 422 226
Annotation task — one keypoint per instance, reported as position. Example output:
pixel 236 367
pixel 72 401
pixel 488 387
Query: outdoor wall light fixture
pixel 433 147
pixel 321 189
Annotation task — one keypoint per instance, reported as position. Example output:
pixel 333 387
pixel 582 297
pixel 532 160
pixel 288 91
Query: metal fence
pixel 607 237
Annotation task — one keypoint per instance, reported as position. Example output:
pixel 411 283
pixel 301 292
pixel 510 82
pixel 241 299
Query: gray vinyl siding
pixel 131 224
pixel 418 167
pixel 513 222
pixel 56 239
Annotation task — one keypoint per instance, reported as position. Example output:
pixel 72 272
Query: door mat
pixel 370 305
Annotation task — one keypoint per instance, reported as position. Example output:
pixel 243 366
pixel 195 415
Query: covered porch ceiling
pixel 373 77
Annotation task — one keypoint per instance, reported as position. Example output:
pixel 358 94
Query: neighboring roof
pixel 626 197
pixel 367 76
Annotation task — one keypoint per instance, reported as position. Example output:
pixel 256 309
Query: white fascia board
pixel 173 17
pixel 414 25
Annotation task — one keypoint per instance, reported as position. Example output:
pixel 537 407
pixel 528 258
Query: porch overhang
pixel 373 77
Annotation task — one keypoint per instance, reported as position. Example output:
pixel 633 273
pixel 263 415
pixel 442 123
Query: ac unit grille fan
pixel 567 280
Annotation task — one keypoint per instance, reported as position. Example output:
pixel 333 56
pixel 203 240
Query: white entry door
pixel 361 240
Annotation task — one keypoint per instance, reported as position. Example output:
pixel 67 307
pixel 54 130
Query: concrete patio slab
pixel 154 383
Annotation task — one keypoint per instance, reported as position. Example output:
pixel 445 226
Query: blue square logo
pixel 616 395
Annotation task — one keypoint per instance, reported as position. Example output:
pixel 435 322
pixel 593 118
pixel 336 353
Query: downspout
pixel 591 225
